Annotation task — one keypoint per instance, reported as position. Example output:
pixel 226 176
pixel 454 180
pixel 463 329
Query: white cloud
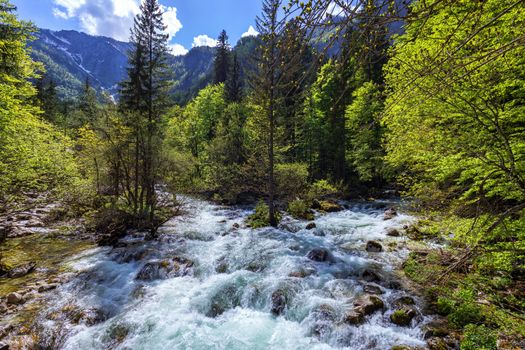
pixel 112 18
pixel 60 14
pixel 203 40
pixel 251 32
pixel 177 49
pixel 171 20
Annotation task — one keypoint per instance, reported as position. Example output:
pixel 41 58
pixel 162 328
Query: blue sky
pixel 190 22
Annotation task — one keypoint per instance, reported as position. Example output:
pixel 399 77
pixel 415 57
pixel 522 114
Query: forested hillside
pixel 328 109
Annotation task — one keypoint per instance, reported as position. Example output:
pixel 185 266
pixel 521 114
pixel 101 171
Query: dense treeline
pixel 436 111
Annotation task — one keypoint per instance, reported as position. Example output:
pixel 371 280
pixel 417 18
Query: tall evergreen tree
pixel 144 97
pixel 266 84
pixel 88 103
pixel 222 59
pixel 234 83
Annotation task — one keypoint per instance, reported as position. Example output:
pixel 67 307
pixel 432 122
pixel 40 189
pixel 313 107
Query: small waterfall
pixel 210 282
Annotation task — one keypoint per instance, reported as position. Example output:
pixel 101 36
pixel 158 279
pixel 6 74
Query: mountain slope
pixel 70 57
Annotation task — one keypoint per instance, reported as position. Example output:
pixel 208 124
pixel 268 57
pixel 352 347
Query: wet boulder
pixel 390 213
pixel 164 269
pixel 302 272
pixel 437 344
pixel 354 317
pixel 21 270
pixel 370 288
pixel 311 226
pixel 320 255
pixel 370 276
pixel 403 316
pixel 226 298
pixel 15 298
pixel 47 287
pixel 393 232
pixel 374 247
pixel 436 328
pixel 279 301
pixel 324 316
pixel 368 304
pixel 329 206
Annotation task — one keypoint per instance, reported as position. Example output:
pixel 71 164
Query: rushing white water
pixel 231 309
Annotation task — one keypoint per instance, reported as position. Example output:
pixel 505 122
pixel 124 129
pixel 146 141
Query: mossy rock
pixel 403 317
pixel 329 206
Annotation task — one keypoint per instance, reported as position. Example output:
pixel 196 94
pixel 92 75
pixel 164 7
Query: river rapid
pixel 210 282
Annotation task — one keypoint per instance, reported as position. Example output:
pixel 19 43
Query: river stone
pixel 354 317
pixel 302 273
pixel 324 316
pixel 47 287
pixel 392 232
pixel 436 343
pixel 164 269
pixel 21 270
pixel 311 226
pixel 3 308
pixel 329 206
pixel 320 255
pixel 390 213
pixel 372 289
pixel 374 247
pixel 368 304
pixel 278 302
pixel 15 298
pixel 370 276
pixel 403 317
pixel 436 328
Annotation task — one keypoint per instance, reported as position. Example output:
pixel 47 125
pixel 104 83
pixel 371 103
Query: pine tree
pixel 233 83
pixel 222 59
pixel 88 103
pixel 144 97
pixel 266 84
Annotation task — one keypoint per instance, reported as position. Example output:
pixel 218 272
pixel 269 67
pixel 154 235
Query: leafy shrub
pixel 321 188
pixel 291 180
pixel 261 216
pixel 299 210
pixel 464 314
pixel 478 338
pixel 445 306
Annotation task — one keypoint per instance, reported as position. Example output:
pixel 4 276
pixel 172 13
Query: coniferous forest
pixel 351 177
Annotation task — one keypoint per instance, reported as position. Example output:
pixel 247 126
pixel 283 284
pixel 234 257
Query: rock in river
pixel 403 316
pixel 320 255
pixel 390 213
pixel 374 247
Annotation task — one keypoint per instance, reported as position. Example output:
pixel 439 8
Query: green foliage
pixel 300 209
pixel 291 180
pixel 322 188
pixel 261 216
pixel 33 154
pixel 456 134
pixel 445 306
pixel 364 131
pixel 478 338
pixel 465 313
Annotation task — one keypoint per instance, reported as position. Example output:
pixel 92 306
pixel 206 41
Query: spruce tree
pixel 222 59
pixel 266 84
pixel 144 98
pixel 233 83
pixel 88 103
